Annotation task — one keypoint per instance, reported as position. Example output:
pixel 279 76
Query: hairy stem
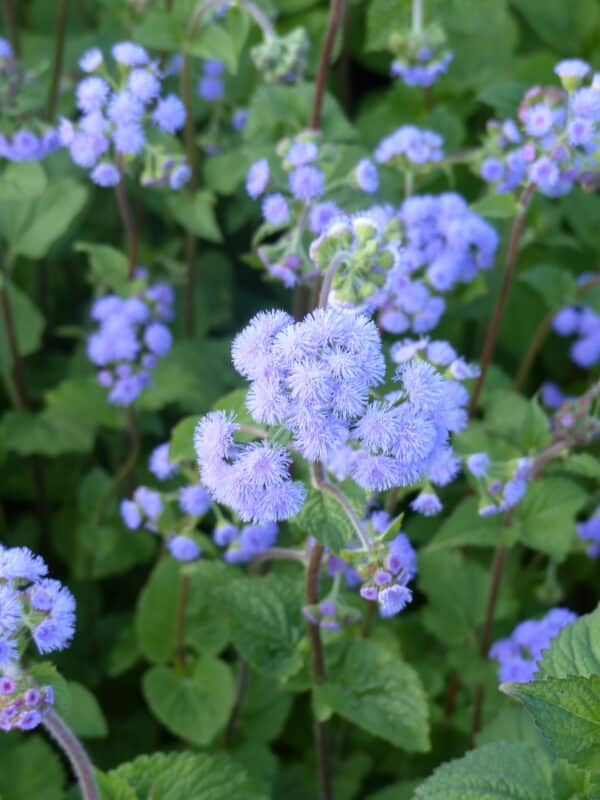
pixel 417 15
pixel 263 22
pixel 319 671
pixel 12 29
pixel 509 269
pixel 182 604
pixel 543 331
pixel 240 695
pixel 333 267
pixel 128 221
pixel 75 753
pixel 320 482
pixel 335 17
pixel 59 46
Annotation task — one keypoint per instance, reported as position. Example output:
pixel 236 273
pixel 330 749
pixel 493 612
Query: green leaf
pixel 181 445
pixel 265 709
pixel 575 650
pixel 213 41
pixel 194 707
pixel 556 286
pixel 28 323
pixel 85 717
pixel 322 516
pixel 159 30
pixel 500 771
pixel 545 518
pixel 567 711
pixel 464 526
pixel 186 776
pixel 84 400
pixel 113 787
pixel 497 206
pixel 108 267
pixel 196 213
pixel 563 26
pixel 50 216
pixel 29 769
pixel 584 464
pixel 155 618
pixel 266 623
pixel 535 433
pixel 375 691
pixel 52 432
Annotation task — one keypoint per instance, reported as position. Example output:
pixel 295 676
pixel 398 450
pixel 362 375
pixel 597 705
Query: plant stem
pixel 123 471
pixel 59 46
pixel 263 22
pixel 16 365
pixel 417 16
pixel 543 331
pixel 182 603
pixel 128 222
pixel 333 267
pixel 12 29
pixel 509 269
pixel 73 750
pixel 320 482
pixel 335 18
pixel 190 249
pixel 319 670
pixel 240 695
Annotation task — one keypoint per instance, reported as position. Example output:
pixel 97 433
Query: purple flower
pixel 393 599
pixel 92 94
pixel 257 178
pixel 105 174
pixel 183 548
pixel 210 88
pixel 180 176
pixel 160 465
pixel 129 139
pixel 306 183
pixel 321 215
pixel 275 209
pixel 426 503
pixel 194 500
pixel 492 170
pixel 478 464
pixel 366 175
pixel 91 60
pixel 169 114
pixel 301 153
pixel 130 54
pixel 158 339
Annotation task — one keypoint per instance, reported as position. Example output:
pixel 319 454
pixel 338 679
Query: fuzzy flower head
pixel 420 56
pixel 118 118
pixel 23 703
pixel 131 337
pixel 519 655
pixel 410 147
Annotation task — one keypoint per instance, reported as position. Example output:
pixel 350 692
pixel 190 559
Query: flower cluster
pixel 520 654
pixel 119 117
pixel 146 506
pixel 19 143
pixel 410 149
pixel 210 84
pixel 32 606
pixel 386 574
pixel 501 484
pixel 246 543
pixel 444 244
pixel 130 339
pixel 554 145
pixel 282 59
pixel 420 57
pixel 23 705
pixel 583 323
pixel 589 531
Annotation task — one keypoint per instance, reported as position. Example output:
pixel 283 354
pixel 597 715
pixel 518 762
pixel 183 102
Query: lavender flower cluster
pixel 583 323
pixel 210 85
pixel 131 337
pixel 410 148
pixel 421 57
pixel 387 573
pixel 33 608
pixel 555 143
pixel 589 531
pixel 520 654
pixel 116 116
pixel 20 143
pixel 501 485
pixel 146 506
pixel 244 543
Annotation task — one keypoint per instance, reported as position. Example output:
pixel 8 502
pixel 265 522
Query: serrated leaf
pixel 567 711
pixel 500 771
pixel 29 769
pixel 108 266
pixel 322 516
pixel 535 433
pixel 194 707
pixel 545 517
pixel 380 694
pixel 575 650
pixel 183 776
pixel 464 526
pixel 266 623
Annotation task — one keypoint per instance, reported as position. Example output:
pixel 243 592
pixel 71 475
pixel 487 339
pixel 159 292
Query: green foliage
pixel 322 517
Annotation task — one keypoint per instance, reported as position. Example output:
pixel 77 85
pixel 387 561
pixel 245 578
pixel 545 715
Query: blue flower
pixel 306 183
pixel 183 548
pixel 366 176
pixel 257 178
pixel 275 209
pixel 169 114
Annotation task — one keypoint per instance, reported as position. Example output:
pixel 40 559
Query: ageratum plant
pixel 299 344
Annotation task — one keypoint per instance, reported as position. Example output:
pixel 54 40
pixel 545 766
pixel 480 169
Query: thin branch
pixel 124 470
pixel 335 17
pixel 417 15
pixel 16 364
pixel 263 22
pixel 319 670
pixel 59 46
pixel 240 695
pixel 543 331
pixel 128 222
pixel 75 753
pixel 333 267
pixel 320 482
pixel 511 261
pixel 12 29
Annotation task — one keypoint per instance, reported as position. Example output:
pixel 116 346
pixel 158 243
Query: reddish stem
pixel 335 18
